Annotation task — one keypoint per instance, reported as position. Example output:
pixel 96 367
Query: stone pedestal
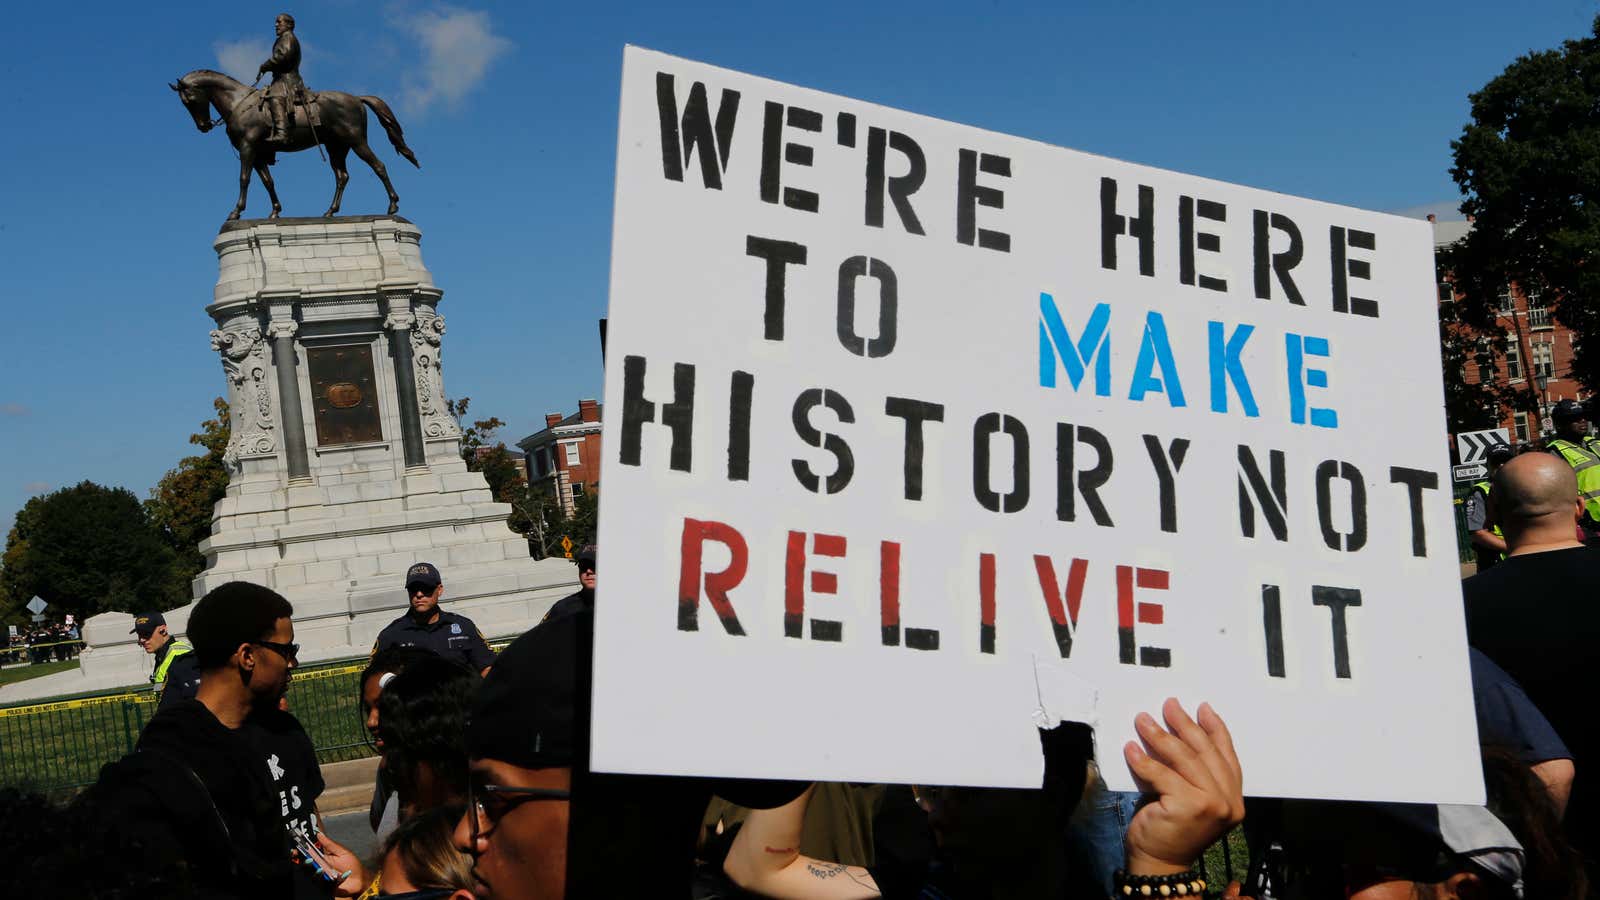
pixel 345 465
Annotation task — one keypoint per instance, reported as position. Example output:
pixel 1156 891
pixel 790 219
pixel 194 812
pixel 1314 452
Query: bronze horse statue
pixel 341 127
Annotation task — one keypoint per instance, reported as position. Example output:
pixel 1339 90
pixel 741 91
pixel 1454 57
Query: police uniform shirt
pixel 453 637
pixel 183 680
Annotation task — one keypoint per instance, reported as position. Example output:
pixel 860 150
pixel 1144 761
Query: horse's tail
pixel 391 126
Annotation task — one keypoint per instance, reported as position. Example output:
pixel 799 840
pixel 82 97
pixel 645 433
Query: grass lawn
pixel 1216 863
pixel 60 745
pixel 14 674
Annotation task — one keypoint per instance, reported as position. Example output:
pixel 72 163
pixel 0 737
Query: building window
pixel 1447 292
pixel 1513 363
pixel 572 453
pixel 1485 361
pixel 540 464
pixel 1538 312
pixel 1507 302
pixel 1543 360
pixel 577 489
pixel 1520 421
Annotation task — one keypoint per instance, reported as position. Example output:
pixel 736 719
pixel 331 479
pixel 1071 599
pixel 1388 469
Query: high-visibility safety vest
pixel 178 648
pixel 1585 463
pixel 1486 487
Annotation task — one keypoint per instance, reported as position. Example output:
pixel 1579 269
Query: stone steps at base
pixel 347 786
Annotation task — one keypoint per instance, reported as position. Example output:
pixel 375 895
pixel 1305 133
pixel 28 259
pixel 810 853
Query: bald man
pixel 1536 615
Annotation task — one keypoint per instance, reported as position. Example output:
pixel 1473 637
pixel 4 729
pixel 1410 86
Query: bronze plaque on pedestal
pixel 344 395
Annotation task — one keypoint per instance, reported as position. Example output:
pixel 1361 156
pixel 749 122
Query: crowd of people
pixel 483 789
pixel 42 643
pixel 1574 445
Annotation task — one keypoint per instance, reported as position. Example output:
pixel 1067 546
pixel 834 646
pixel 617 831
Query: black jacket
pixel 193 778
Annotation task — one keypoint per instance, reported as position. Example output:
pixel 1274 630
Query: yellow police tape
pixel 40 708
pixel 19 648
pixel 315 674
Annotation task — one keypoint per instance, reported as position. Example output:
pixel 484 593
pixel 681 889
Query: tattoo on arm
pixel 826 870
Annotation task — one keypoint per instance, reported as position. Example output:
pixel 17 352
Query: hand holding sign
pixel 1195 771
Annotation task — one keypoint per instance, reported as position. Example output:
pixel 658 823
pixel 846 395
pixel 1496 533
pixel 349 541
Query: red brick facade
pixel 1536 344
pixel 564 458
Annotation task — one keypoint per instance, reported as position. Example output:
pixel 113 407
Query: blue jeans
pixel 1094 836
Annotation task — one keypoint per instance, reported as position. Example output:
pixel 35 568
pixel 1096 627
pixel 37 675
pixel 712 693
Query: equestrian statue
pixel 285 118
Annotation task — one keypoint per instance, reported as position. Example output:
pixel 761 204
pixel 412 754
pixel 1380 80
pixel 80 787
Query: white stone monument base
pixel 331 512
pixel 503 601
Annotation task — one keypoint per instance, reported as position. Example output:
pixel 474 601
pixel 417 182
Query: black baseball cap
pixel 145 624
pixel 1568 411
pixel 587 554
pixel 424 574
pixel 533 709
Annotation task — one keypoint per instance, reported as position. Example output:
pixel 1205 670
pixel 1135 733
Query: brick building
pixel 1538 355
pixel 564 458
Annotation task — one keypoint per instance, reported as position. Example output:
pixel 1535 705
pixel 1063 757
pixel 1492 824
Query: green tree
pixel 1468 406
pixel 484 452
pixel 1527 164
pixel 181 503
pixel 584 523
pixel 549 523
pixel 89 549
pixel 546 521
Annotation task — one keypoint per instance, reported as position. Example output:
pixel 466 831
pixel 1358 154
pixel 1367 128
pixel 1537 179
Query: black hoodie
pixel 238 769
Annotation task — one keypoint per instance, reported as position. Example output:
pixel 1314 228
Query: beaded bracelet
pixel 1183 884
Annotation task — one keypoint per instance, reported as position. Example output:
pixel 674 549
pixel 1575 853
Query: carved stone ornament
pixel 278 328
pixel 244 361
pixel 426 337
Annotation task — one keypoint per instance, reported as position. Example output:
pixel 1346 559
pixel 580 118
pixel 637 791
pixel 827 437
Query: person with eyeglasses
pixel 583 598
pixel 539 825
pixel 255 762
pixel 451 635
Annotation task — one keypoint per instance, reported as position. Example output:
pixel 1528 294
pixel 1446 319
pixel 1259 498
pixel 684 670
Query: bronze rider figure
pixel 286 84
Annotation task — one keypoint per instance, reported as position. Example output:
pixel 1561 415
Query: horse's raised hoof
pixel 394 207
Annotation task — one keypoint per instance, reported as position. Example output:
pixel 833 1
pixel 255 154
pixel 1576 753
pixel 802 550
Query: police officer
pixel 1487 540
pixel 452 636
pixel 1573 443
pixel 177 672
pixel 583 599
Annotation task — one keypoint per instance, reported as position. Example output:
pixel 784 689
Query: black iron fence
pixel 60 745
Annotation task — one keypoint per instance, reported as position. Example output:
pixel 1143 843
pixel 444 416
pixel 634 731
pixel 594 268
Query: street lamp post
pixel 1544 400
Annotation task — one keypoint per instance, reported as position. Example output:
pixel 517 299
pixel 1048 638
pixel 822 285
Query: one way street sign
pixel 1474 445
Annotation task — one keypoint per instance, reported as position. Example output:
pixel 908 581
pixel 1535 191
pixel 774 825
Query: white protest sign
pixel 913 428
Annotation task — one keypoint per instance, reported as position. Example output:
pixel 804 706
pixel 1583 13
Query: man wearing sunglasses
pixel 425 625
pixel 538 824
pixel 583 599
pixel 254 760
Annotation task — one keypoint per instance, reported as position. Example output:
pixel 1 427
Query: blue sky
pixel 109 197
